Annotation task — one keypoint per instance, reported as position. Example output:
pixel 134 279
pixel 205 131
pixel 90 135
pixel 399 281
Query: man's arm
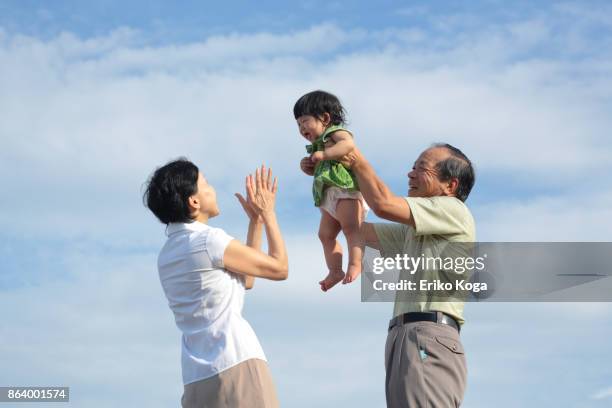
pixel 381 200
pixel 369 235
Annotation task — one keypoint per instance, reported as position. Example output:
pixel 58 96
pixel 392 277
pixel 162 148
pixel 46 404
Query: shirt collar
pixel 175 227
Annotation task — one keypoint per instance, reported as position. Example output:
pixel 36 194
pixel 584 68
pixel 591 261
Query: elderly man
pixel 424 358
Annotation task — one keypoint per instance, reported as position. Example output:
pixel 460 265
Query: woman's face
pixel 206 198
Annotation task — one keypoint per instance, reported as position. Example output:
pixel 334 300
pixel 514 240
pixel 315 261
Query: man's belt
pixel 436 317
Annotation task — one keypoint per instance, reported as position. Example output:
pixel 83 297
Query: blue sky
pixel 95 95
pixel 193 20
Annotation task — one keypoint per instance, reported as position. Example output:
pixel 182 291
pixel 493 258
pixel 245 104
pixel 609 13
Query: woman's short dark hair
pixel 168 191
pixel 457 166
pixel 316 103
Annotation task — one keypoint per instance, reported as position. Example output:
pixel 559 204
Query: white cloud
pixel 90 118
pixel 605 393
pixel 566 218
pixel 109 320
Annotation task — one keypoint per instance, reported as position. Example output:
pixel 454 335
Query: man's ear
pixel 452 185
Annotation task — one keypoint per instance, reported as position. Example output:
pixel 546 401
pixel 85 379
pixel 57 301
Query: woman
pixel 204 273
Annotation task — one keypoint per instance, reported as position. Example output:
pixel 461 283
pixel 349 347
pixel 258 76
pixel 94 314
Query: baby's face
pixel 310 127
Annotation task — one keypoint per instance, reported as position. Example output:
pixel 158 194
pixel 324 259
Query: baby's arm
pixel 343 145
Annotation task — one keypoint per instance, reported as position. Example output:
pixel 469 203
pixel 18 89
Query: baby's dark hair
pixel 316 103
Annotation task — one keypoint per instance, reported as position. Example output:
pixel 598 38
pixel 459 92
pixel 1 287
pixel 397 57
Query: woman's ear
pixel 194 203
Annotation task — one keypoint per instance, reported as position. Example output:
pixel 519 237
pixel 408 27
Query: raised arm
pixel 381 200
pixel 247 260
pixel 253 234
pixel 253 241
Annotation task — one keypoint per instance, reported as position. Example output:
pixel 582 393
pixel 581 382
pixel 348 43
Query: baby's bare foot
pixel 331 279
pixel 353 272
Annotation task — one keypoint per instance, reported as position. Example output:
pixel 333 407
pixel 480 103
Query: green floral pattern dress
pixel 329 172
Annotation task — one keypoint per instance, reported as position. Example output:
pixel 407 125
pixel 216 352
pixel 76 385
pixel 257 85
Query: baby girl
pixel 321 120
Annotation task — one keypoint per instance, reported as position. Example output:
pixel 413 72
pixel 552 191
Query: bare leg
pixel 328 231
pixel 350 216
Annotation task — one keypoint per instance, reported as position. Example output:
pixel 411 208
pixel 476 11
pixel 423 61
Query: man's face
pixel 423 179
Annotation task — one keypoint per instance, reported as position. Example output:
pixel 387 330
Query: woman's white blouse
pixel 206 301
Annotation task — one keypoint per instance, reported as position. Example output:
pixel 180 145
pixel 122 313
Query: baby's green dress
pixel 329 172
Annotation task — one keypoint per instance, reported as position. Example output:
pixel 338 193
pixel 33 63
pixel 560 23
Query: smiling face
pixel 312 127
pixel 204 201
pixel 424 180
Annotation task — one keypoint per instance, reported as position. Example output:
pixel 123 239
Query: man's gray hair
pixel 457 166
